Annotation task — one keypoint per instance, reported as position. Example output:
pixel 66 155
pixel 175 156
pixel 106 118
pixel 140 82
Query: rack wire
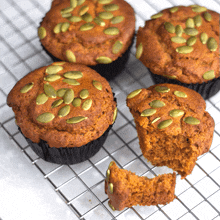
pixel 81 186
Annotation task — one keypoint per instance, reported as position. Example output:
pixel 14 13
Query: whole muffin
pixel 172 125
pixel 65 111
pixel 180 45
pixel 89 32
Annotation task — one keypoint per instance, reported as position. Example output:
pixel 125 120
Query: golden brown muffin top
pixel 181 43
pixel 88 31
pixel 65 104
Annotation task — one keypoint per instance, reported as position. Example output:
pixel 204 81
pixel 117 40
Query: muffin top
pixel 181 43
pixel 88 31
pixel 65 104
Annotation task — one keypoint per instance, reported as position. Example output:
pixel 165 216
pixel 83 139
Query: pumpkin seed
pixel 70 56
pixel 139 51
pixel 64 111
pixel 73 3
pixel 179 30
pixel 199 9
pixel 61 92
pixel 76 102
pixel 68 96
pixel 204 38
pixel 50 91
pixel 148 112
pixel 155 120
pixel 191 120
pixel 177 39
pixel 191 41
pixel 158 15
pixel 80 2
pixel 73 75
pixel 57 28
pixel 117 47
pixel 198 20
pixel 110 188
pixel 174 9
pixel 134 93
pixel 75 19
pixel 104 60
pixel 209 75
pixel 207 16
pixel 97 85
pixel 111 206
pixel 110 164
pixel 170 77
pixel 27 87
pixel 180 94
pixel 162 89
pixel 76 120
pixel 58 63
pixel 87 104
pixel 52 77
pixel 45 117
pixel 212 44
pixel 53 69
pixel 117 19
pixel 190 23
pixel 111 31
pixel 65 26
pixel 191 31
pixel 41 99
pixel 108 172
pixel 104 1
pixel 86 27
pixel 87 17
pixel 111 7
pixel 84 94
pixel 66 10
pixel 83 10
pixel 106 15
pixel 67 15
pixel 184 49
pixel 57 103
pixel 165 124
pixel 99 21
pixel 169 27
pixel 115 115
pixel 157 104
pixel 42 32
pixel 176 113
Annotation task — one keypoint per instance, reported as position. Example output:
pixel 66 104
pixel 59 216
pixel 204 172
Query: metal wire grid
pixel 82 185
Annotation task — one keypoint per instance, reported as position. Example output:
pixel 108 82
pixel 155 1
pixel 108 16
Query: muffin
pixel 125 189
pixel 64 110
pixel 97 33
pixel 172 125
pixel 180 45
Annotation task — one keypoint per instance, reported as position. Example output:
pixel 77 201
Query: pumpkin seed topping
pixel 176 113
pixel 70 56
pixel 204 38
pixel 68 96
pixel 66 10
pixel 65 26
pixel 162 89
pixel 73 3
pixel 110 188
pixel 117 19
pixel 117 47
pixel 59 63
pixel 99 21
pixel 190 23
pixel 191 31
pixel 27 87
pixel 87 104
pixel 57 28
pixel 179 30
pixel 111 206
pixel 111 31
pixel 106 15
pixel 97 85
pixel 73 75
pixel 184 49
pixel 104 1
pixel 76 102
pixel 157 104
pixel 170 77
pixel 139 51
pixel 212 44
pixel 198 20
pixel 111 7
pixel 76 120
pixel 148 112
pixel 209 75
pixel 52 77
pixel 84 94
pixel 108 172
pixel 174 9
pixel 191 41
pixel 104 60
pixel 207 16
pixel 67 15
pixel 45 117
pixel 61 92
pixel 64 111
pixel 191 120
pixel 87 27
pixel 41 99
pixel 115 115
pixel 177 39
pixel 87 17
pixel 155 120
pixel 71 82
pixel 50 91
pixel 169 27
pixel 83 10
pixel 75 19
pixel 42 32
pixel 158 15
pixel 80 2
pixel 110 164
pixel 134 93
pixel 199 9
pixel 53 69
pixel 165 124
pixel 180 94
pixel 57 103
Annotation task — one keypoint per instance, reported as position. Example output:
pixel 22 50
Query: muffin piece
pixel 125 189
pixel 172 125
pixel 89 32
pixel 180 45
pixel 65 110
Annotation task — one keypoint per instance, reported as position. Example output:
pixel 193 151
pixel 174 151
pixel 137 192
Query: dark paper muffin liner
pixel 206 90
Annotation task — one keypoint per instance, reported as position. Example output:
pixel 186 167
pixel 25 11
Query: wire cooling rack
pixel 81 186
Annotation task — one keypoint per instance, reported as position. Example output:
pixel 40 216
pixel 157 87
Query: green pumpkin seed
pixel 64 111
pixel 75 19
pixel 73 75
pixel 157 104
pixel 191 31
pixel 65 26
pixel 99 21
pixel 87 104
pixel 97 85
pixel 70 56
pixel 42 32
pixel 184 49
pixel 180 94
pixel 66 10
pixel 83 10
pixel 117 19
pixel 50 91
pixel 80 2
pixel 45 117
pixel 68 96
pixel 199 9
pixel 111 206
pixel 110 164
pixel 204 38
pixel 76 120
pixel 87 27
pixel 61 92
pixel 87 17
pixel 73 3
pixel 209 75
pixel 176 113
pixel 118 45
pixel 59 63
pixel 71 82
pixel 27 87
pixel 52 77
pixel 53 69
pixel 191 120
pixel 110 188
pixel 139 51
pixel 177 39
pixel 41 99
pixel 107 175
pixel 174 9
pixel 170 77
pixel 198 20
pixel 67 15
pixel 115 115
pixel 106 15
pixel 207 16
pixel 57 28
pixel 155 120
pixel 104 1
pixel 212 44
pixel 84 94
pixel 191 41
pixel 158 15
pixel 112 31
pixel 179 30
pixel 111 7
pixel 190 23
pixel 148 112
pixel 165 124
pixel 169 27
pixel 134 93
pixel 57 103
pixel 104 60
pixel 76 102
pixel 162 89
